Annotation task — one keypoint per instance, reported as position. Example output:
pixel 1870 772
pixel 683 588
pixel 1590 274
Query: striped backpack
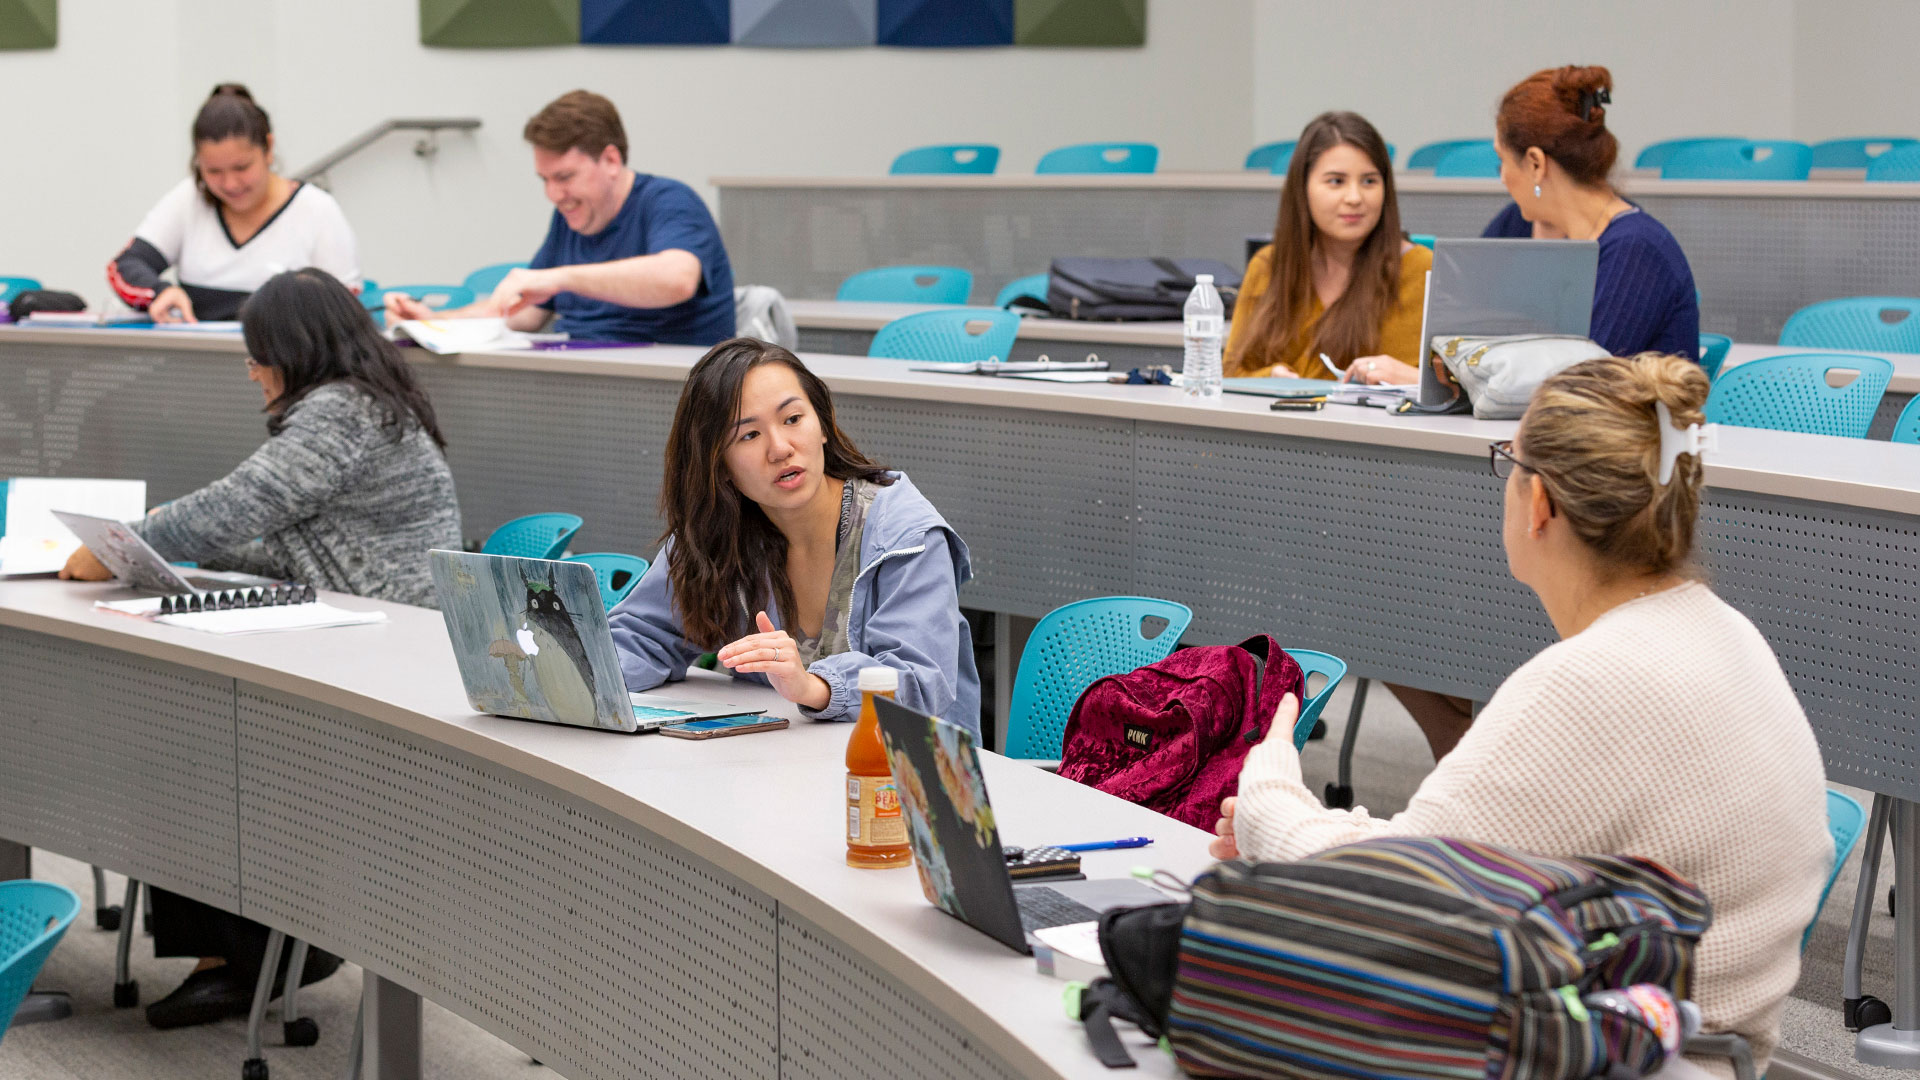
pixel 1407 957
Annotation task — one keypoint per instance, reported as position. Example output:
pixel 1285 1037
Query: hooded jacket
pixel 905 615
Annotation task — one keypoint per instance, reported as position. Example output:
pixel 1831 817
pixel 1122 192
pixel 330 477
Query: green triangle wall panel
pixel 1109 23
pixel 29 24
pixel 492 24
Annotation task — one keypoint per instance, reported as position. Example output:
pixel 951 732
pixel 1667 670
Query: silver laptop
pixel 134 561
pixel 1486 286
pixel 532 641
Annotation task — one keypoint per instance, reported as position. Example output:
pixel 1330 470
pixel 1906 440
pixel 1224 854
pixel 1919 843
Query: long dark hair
pixel 305 325
pixel 1350 327
pixel 229 112
pixel 724 547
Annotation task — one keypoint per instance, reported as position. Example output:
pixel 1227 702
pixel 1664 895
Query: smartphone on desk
pixel 722 726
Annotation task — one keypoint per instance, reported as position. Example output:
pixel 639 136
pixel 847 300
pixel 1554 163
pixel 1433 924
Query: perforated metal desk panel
pixel 616 906
pixel 1759 250
pixel 1374 537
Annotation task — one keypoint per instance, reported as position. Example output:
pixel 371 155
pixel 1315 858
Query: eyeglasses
pixel 252 363
pixel 1501 460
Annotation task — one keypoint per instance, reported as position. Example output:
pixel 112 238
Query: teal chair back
pixel 1791 393
pixel 1314 664
pixel 483 281
pixel 955 158
pixel 11 287
pixel 1856 153
pixel 960 336
pixel 1845 821
pixel 1755 159
pixel 33 917
pixel 1034 285
pixel 1076 644
pixel 1900 164
pixel 536 536
pixel 1425 240
pixel 1713 353
pixel 1655 155
pixel 1907 428
pixel 1273 157
pixel 616 572
pixel 909 285
pixel 1101 158
pixel 1428 156
pixel 1478 159
pixel 1867 323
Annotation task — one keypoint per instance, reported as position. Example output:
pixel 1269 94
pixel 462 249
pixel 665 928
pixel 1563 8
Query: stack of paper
pixel 259 620
pixel 1070 952
pixel 448 336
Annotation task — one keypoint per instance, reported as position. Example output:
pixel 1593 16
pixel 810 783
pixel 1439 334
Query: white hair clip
pixel 1695 439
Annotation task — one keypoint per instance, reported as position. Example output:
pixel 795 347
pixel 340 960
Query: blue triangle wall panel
pixel 945 24
pixel 804 23
pixel 655 22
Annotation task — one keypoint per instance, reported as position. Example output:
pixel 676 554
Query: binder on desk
pixel 245 611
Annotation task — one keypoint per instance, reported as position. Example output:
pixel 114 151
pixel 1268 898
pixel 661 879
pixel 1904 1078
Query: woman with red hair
pixel 1555 157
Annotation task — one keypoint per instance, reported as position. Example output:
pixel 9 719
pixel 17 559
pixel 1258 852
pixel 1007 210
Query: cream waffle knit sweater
pixel 1665 730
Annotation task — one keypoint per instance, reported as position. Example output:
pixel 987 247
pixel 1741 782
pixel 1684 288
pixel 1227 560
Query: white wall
pixel 108 130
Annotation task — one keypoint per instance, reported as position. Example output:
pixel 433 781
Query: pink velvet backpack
pixel 1172 736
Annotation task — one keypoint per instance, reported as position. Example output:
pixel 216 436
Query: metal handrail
pixel 425 147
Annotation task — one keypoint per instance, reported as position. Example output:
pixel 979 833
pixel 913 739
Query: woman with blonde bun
pixel 1660 725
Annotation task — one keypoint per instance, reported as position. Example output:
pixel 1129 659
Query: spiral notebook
pixel 245 611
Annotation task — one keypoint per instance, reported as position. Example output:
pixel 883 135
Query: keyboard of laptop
pixel 1041 907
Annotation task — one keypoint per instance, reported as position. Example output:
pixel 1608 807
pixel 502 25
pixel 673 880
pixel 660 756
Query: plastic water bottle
pixel 1206 333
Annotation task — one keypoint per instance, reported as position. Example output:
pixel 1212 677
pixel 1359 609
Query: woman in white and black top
pixel 231 225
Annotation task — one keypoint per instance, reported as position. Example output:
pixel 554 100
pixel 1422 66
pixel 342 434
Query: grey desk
pixel 847 327
pixel 616 906
pixel 1759 250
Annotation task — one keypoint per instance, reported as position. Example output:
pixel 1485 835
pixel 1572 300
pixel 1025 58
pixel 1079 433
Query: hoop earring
pixel 1536 191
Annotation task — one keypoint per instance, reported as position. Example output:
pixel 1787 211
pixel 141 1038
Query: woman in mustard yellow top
pixel 1339 277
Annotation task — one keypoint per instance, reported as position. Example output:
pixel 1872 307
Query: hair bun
pixel 1585 90
pixel 1674 380
pixel 232 89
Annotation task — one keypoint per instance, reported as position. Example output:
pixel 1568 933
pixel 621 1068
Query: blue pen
pixel 1108 845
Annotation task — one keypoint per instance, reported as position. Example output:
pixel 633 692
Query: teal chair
pixel 34 915
pixel 1074 645
pixel 1713 353
pixel 437 297
pixel 536 536
pixel 1655 155
pixel 955 158
pixel 1907 428
pixel 1312 664
pixel 1867 323
pixel 1101 158
pixel 1857 153
pixel 1756 159
pixel 1896 165
pixel 1476 160
pixel 1271 157
pixel 617 573
pixel 1429 156
pixel 1034 285
pixel 909 285
pixel 1790 393
pixel 11 287
pixel 483 281
pixel 1425 240
pixel 959 336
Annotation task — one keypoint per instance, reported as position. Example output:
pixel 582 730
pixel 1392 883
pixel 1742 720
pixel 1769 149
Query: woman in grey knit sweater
pixel 351 490
pixel 348 493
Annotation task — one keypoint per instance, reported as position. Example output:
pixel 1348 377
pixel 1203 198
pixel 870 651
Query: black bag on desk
pixel 33 300
pixel 1142 289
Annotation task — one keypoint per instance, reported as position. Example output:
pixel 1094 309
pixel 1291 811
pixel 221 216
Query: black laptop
pixel 956 842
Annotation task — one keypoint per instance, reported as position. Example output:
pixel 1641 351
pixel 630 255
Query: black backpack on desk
pixel 1131 289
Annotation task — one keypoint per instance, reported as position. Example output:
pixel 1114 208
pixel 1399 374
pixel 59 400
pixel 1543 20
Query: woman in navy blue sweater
pixel 1555 154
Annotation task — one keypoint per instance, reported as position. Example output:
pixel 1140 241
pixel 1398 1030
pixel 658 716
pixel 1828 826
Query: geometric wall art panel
pixel 497 23
pixel 655 22
pixel 1108 23
pixel 29 24
pixel 945 24
pixel 804 23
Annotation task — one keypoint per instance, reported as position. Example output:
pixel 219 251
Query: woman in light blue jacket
pixel 772 510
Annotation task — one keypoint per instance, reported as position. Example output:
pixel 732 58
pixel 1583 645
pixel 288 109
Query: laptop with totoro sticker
pixel 532 641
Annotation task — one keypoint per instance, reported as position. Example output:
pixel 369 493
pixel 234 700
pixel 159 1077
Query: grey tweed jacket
pixel 333 500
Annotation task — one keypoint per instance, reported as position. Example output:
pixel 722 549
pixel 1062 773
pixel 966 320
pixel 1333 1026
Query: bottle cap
pixel 1203 279
pixel 879 680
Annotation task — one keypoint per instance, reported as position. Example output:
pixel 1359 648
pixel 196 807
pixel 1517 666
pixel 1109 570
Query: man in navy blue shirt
pixel 628 256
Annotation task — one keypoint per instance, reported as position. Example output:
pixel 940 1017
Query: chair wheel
pixel 1865 1012
pixel 1319 730
pixel 1339 797
pixel 301 1032
pixel 254 1069
pixel 127 994
pixel 107 918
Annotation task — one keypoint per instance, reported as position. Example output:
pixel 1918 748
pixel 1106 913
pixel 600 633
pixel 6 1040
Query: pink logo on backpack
pixel 1172 736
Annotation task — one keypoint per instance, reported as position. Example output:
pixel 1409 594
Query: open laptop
pixel 956 843
pixel 532 641
pixel 134 561
pixel 1485 286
